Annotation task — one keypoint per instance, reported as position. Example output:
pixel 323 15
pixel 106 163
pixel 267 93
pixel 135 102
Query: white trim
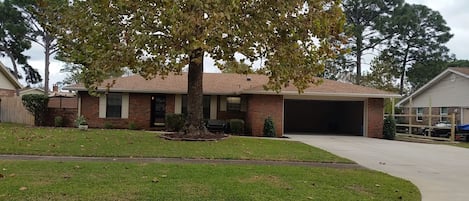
pixel 213 107
pixel 102 105
pixel 125 106
pixel 79 105
pixel 178 104
pixel 223 103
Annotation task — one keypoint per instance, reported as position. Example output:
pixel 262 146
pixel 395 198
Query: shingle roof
pixel 232 84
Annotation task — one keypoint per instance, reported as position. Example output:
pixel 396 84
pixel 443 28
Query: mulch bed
pixel 188 137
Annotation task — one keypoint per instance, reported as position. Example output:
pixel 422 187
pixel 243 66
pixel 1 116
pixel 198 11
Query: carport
pixel 339 117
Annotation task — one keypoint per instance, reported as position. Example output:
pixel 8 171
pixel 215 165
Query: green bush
pixel 389 128
pixel 133 126
pixel 108 125
pixel 236 126
pixel 174 122
pixel 37 105
pixel 269 127
pixel 58 121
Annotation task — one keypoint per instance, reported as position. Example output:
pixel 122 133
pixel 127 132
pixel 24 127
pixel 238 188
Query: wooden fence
pixel 12 110
pixel 425 130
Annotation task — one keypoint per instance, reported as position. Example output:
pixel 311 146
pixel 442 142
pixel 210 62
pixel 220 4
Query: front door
pixel 158 110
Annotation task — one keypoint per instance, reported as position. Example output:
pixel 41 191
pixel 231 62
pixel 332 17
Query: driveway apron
pixel 441 172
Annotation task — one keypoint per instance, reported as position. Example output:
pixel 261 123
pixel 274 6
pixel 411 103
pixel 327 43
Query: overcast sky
pixel 453 11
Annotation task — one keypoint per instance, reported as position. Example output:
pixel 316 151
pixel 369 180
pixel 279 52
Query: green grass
pixel 18 139
pixel 39 180
pixel 461 144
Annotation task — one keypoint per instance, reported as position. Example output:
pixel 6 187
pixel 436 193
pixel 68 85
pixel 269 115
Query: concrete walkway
pixel 441 172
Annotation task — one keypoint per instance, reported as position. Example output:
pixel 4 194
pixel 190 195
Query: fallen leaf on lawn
pixel 23 188
pixel 377 185
pixel 164 176
pixel 155 180
pixel 67 176
pixel 12 175
pixel 4 169
pixel 310 198
pixel 77 167
pixel 82 146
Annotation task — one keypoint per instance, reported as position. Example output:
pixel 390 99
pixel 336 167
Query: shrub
pixel 237 126
pixel 389 128
pixel 80 120
pixel 108 125
pixel 269 127
pixel 37 105
pixel 58 121
pixel 133 126
pixel 174 122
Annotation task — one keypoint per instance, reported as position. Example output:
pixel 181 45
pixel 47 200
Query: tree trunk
pixel 195 122
pixel 404 63
pixel 46 66
pixel 359 60
pixel 15 69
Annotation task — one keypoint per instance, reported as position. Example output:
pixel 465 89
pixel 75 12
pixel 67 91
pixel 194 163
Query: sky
pixel 453 11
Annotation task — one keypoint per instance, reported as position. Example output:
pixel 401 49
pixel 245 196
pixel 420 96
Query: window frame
pixel 419 116
pixel 233 106
pixel 444 115
pixel 111 105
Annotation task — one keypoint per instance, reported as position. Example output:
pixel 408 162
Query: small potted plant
pixel 81 122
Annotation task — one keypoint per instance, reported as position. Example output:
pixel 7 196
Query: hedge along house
pixel 329 108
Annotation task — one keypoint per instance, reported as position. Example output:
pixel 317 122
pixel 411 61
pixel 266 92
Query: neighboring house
pixel 444 95
pixel 28 90
pixel 331 107
pixel 8 83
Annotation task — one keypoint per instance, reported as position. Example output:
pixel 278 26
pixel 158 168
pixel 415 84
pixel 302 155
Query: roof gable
pixel 9 77
pixel 232 84
pixel 460 71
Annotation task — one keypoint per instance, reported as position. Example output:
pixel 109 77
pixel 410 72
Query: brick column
pixel 259 108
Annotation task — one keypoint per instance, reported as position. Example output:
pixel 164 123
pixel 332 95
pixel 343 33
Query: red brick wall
pixel 68 114
pixel 63 102
pixel 259 108
pixel 375 117
pixel 7 93
pixel 139 111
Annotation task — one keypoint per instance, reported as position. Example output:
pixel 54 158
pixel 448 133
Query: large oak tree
pixel 156 37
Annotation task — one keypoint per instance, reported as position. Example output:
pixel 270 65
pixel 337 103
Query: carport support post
pixel 453 119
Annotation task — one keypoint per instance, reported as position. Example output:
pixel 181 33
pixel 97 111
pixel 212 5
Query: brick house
pixel 331 107
pixel 444 95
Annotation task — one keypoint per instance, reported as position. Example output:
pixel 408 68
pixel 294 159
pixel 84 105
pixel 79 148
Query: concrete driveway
pixel 441 172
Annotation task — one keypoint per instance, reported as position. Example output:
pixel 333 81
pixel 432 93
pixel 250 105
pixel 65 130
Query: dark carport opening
pixel 323 117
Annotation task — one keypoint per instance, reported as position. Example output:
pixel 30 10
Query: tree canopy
pixel 420 36
pixel 365 24
pixel 14 40
pixel 157 37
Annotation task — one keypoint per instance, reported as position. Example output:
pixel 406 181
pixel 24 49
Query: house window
pixel 233 103
pixel 114 105
pixel 206 106
pixel 419 113
pixel 443 114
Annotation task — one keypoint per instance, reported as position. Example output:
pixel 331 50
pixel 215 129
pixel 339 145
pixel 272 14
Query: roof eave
pixel 355 95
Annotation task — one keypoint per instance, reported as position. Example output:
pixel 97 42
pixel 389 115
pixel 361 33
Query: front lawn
pixel 19 139
pixel 39 180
